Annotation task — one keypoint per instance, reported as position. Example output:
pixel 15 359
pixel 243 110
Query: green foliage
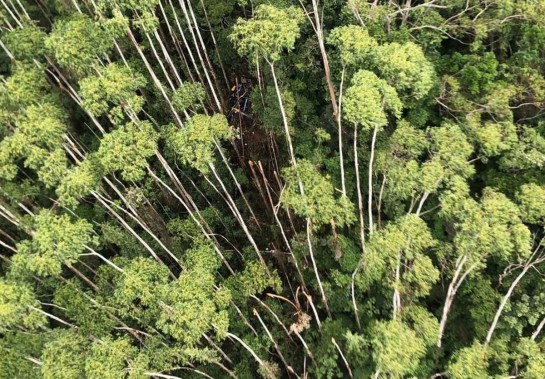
pixel 531 355
pixel 76 42
pixel 194 144
pixel 15 348
pixel 112 91
pixel 39 140
pixel 405 67
pixel 25 86
pixel 532 207
pixel 269 111
pixel 18 307
pixel 491 227
pixel 127 148
pixel 188 95
pixel 476 72
pixel 318 202
pixel 194 307
pixel 470 361
pixel 367 100
pixel 450 147
pixel 77 305
pixel 528 153
pixel 64 356
pixel 407 240
pixel 144 9
pixel 253 281
pixel 26 43
pixel 57 240
pixel 141 283
pixel 109 358
pixel 79 181
pixel 161 280
pixel 396 349
pixel 424 324
pixel 270 31
pixel 354 44
pixel 216 10
pixel 495 137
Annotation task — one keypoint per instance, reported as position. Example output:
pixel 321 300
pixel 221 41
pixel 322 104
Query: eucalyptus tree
pixel 370 116
pixel 129 129
pixel 355 48
pixel 270 32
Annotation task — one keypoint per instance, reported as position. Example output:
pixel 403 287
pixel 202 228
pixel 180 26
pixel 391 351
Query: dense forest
pixel 272 189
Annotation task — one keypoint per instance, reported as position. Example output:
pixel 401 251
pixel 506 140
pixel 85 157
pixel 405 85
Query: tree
pixel 127 148
pixel 405 67
pixel 19 307
pixel 472 360
pixel 267 35
pixel 318 203
pixel 64 356
pixel 391 356
pixel 109 358
pixel 56 240
pixel 176 199
pixel 370 116
pixel 195 143
pixel 112 92
pixel 76 41
pixel 496 225
pixel 26 43
pixel 38 139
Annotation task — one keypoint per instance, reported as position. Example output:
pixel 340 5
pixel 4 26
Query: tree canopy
pixel 272 189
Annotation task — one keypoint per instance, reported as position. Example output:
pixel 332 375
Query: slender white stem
pixel 370 189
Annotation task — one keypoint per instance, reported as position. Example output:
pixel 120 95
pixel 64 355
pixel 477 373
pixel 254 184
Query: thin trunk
pixel 175 41
pixel 154 77
pixel 340 132
pixel 135 217
pixel 538 329
pixel 370 180
pixel 320 35
pixel 353 292
pixel 53 317
pixel 182 34
pixel 342 356
pixel 286 125
pixel 82 277
pixel 15 18
pixel 503 303
pixel 207 58
pixel 279 223
pixel 358 187
pixel 160 61
pixel 131 230
pixel 421 204
pixel 215 44
pixel 301 188
pixel 201 223
pixel 239 217
pixel 379 205
pixel 452 289
pixel 168 58
pixel 235 180
pixel 196 44
pixel 277 348
pixel 275 316
pixel 507 296
pixel 397 296
pixel 248 348
pixel 322 292
pixel 104 259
